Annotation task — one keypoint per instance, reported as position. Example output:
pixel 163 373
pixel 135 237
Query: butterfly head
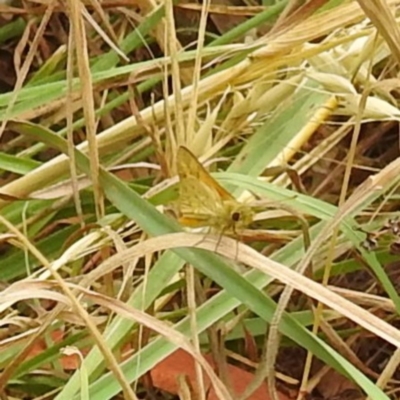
pixel 240 215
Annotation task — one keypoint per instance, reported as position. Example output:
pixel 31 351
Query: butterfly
pixel 203 202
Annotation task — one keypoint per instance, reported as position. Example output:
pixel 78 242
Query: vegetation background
pixel 293 104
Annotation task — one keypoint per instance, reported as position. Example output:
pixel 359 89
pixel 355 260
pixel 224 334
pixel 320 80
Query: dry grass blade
pixel 291 278
pixel 389 370
pixel 87 93
pixel 380 14
pixel 266 368
pixel 109 357
pixel 27 63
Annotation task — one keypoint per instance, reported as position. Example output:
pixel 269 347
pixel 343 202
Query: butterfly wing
pixel 189 166
pixel 198 205
pixel 200 196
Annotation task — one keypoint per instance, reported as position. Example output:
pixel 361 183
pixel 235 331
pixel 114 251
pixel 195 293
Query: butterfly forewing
pixel 197 202
pixel 188 165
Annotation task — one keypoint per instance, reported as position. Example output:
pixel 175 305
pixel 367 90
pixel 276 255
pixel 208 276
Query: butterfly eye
pixel 235 216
